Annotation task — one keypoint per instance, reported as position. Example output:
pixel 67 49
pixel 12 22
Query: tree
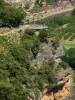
pixel 63 65
pixel 10 16
pixel 21 55
pixel 43 34
pixel 16 16
pixel 35 48
pixel 7 92
pixel 3 75
pixel 1 3
pixel 46 75
pixel 31 41
pixel 30 32
pixel 73 12
pixel 70 57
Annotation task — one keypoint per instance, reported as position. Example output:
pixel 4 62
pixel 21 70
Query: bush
pixel 63 65
pixel 7 91
pixel 10 16
pixel 70 57
pixel 20 55
pixel 46 75
pixel 43 34
pixel 73 12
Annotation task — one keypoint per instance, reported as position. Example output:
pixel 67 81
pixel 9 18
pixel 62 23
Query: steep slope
pixel 32 66
pixel 62 91
pixel 63 76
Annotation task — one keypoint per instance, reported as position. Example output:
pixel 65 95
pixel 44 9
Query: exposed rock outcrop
pixel 61 91
pixel 48 53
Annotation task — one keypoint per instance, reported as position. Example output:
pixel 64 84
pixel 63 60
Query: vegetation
pixel 73 12
pixel 10 16
pixel 39 3
pixel 17 77
pixel 72 37
pixel 52 23
pixel 46 74
pixel 1 3
pixel 43 34
pixel 63 28
pixel 68 45
pixel 50 1
pixel 63 65
pixel 70 57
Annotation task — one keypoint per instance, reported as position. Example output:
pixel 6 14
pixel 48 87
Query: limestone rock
pixel 64 88
pixel 60 51
pixel 32 95
pixel 46 54
pixel 63 75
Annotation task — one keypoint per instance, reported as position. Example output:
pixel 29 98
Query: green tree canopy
pixel 7 91
pixel 43 34
pixel 70 57
pixel 10 16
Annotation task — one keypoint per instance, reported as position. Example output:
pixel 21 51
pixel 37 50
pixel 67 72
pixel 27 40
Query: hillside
pixel 37 60
pixel 28 67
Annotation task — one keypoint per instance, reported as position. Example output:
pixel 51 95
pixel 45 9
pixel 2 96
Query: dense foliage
pixel 70 57
pixel 10 16
pixel 39 3
pixel 43 34
pixel 17 77
pixel 73 12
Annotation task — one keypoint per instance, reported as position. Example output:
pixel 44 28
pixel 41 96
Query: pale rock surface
pixel 64 89
pixel 46 54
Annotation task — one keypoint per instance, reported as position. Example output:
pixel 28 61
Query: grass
pixel 69 44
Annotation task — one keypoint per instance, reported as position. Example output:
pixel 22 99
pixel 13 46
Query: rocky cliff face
pixel 48 53
pixel 63 88
pixel 62 91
